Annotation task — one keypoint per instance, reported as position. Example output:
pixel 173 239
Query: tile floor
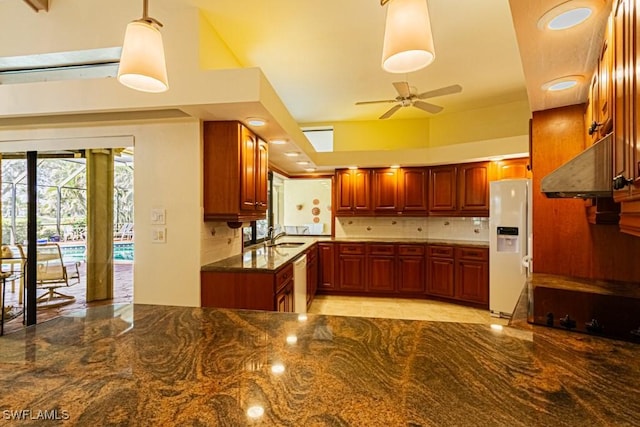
pixel 397 308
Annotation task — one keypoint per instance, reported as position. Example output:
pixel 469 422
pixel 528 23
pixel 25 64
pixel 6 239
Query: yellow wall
pixel 214 52
pixel 501 121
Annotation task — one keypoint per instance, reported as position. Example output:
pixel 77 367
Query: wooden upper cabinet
pixel 459 190
pixel 385 190
pixel 413 190
pixel 344 191
pixel 361 190
pixel 473 188
pixel 604 102
pixel 249 149
pixel 235 174
pixel 442 189
pixel 511 168
pixel 353 191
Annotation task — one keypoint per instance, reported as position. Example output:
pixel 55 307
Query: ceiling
pixel 323 57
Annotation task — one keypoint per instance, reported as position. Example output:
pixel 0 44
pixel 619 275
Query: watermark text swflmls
pixel 30 414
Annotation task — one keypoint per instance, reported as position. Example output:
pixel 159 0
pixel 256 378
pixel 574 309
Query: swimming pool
pixel 121 252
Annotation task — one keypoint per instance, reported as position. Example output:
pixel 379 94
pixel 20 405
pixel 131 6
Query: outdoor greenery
pixel 62 199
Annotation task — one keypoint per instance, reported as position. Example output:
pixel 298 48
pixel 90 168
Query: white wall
pixel 299 195
pixel 168 174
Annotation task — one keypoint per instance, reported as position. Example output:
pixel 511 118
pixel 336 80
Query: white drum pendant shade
pixel 408 43
pixel 142 63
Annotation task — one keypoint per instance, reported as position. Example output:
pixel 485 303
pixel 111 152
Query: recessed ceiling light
pixel 310 169
pixel 292 154
pixel 353 168
pixel 278 141
pixel 256 121
pixel 565 15
pixel 302 162
pixel 395 166
pixel 562 83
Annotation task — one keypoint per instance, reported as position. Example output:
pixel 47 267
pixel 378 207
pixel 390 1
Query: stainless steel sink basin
pixel 288 244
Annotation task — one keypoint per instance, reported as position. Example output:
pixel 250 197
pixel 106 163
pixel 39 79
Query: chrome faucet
pixel 271 238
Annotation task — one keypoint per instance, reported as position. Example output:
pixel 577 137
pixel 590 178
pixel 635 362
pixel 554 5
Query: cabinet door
pixel 472 281
pixel 284 298
pixel 622 99
pixel 326 266
pixel 262 176
pixel 411 274
pixel 382 273
pixel 344 191
pixel 512 168
pixel 442 189
pixel 474 188
pixel 351 273
pixel 634 144
pixel 361 190
pixel 312 274
pixel 605 83
pixel 413 190
pixel 440 277
pixel 385 190
pixel 248 155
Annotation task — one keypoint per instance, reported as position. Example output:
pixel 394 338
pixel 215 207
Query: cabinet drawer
pixel 440 251
pixel 284 275
pixel 381 249
pixel 476 254
pixel 355 249
pixel 411 250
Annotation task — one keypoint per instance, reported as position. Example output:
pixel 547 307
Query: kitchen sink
pixel 288 244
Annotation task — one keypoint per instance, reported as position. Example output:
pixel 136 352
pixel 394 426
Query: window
pixel 258 230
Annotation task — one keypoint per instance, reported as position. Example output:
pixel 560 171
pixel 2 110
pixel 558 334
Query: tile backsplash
pixel 446 228
pixel 219 242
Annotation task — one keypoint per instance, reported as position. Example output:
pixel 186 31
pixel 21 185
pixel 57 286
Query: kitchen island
pixel 162 365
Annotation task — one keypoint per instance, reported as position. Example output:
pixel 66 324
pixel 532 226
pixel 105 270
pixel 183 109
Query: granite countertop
pixel 268 259
pixel 159 365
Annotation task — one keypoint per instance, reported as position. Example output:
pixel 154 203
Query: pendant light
pixel 408 43
pixel 142 65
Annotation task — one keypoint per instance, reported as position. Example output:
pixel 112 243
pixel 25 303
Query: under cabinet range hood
pixel 587 175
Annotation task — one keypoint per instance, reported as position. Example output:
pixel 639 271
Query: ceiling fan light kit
pixel 408 42
pixel 142 63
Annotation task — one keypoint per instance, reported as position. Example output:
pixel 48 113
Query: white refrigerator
pixel 510 243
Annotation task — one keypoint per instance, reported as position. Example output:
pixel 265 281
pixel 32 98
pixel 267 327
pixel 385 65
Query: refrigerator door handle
pixel 526 263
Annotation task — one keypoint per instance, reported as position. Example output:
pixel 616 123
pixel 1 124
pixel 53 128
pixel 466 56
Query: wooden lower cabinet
pixel 411 269
pixel 326 266
pixel 440 268
pixel 284 298
pixel 459 274
pixel 381 268
pixel 312 274
pixel 272 291
pixel 352 273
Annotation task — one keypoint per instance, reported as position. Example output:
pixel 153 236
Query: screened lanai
pixel 77 195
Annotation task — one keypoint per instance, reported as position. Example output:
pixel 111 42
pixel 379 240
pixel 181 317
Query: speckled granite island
pixel 142 365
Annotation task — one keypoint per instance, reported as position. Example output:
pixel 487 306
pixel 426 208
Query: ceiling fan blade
pixel 430 108
pixel 403 89
pixel 390 112
pixel 375 102
pixel 447 90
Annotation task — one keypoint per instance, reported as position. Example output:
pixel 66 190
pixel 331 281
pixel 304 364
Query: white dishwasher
pixel 300 285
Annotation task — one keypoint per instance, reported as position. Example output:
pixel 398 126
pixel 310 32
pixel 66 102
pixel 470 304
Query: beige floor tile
pixel 399 308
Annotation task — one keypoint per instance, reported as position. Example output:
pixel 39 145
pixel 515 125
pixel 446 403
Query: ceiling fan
pixel 407 97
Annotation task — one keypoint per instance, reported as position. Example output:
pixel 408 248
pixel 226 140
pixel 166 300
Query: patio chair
pixel 125 232
pixel 13 260
pixel 53 274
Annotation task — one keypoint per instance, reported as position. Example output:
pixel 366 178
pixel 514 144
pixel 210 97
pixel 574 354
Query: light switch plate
pixel 158 216
pixel 159 235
